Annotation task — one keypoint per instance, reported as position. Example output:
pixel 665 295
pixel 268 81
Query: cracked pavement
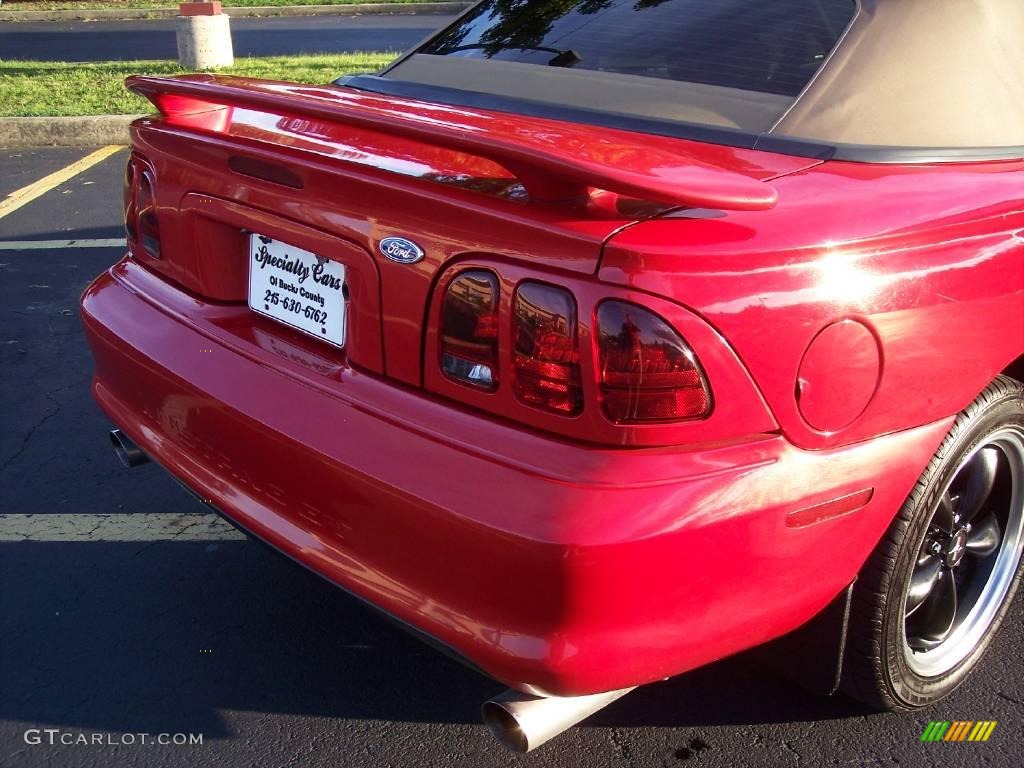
pixel 106 632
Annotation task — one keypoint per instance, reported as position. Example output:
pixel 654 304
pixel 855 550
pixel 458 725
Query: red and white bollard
pixel 204 36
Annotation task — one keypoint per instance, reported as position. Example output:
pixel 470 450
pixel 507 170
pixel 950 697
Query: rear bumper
pixel 553 567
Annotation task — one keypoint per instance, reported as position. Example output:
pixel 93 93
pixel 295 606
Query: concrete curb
pixel 94 131
pixel 127 14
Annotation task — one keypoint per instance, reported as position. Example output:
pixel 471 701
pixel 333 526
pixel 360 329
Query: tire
pixel 900 654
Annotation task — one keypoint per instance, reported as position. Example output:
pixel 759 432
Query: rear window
pixel 761 46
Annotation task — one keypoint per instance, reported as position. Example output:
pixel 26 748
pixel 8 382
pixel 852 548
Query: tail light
pixel 546 359
pixel 140 216
pixel 648 373
pixel 130 214
pixel 145 204
pixel 469 329
pixel 628 366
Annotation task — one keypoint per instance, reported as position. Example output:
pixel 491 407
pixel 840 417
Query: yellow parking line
pixel 26 195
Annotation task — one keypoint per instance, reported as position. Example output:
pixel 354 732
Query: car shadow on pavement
pixel 160 636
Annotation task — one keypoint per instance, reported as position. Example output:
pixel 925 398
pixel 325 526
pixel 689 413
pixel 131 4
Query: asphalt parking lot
pixel 126 609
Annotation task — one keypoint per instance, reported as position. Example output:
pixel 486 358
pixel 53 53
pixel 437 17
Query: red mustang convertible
pixel 595 341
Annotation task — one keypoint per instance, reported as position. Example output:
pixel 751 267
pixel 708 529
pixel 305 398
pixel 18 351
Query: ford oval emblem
pixel 401 250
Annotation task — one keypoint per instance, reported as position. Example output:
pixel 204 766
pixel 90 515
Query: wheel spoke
pixel 943 517
pixel 937 614
pixel 984 537
pixel 961 574
pixel 922 582
pixel 980 479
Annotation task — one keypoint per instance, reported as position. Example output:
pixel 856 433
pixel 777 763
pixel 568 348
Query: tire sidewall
pixel 909 688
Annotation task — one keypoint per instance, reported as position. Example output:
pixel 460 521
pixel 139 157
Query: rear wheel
pixel 934 591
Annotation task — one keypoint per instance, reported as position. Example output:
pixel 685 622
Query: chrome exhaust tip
pixel 523 722
pixel 128 452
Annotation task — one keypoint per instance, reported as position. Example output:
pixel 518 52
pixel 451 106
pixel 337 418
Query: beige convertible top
pixel 920 73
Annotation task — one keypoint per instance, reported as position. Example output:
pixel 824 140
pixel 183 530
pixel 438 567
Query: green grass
pixel 51 88
pixel 88 5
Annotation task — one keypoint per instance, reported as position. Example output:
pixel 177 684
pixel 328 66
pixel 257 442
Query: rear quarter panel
pixel 929 258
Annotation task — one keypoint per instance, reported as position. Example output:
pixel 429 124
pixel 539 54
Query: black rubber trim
pixel 866 153
pixel 856 153
pixel 819 645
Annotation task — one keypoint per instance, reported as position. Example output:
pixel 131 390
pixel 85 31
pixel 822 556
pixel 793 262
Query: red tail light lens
pixel 469 329
pixel 140 218
pixel 547 371
pixel 130 214
pixel 145 205
pixel 648 373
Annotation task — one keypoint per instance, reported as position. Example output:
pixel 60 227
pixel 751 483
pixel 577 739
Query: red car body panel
pixel 930 258
pixel 560 555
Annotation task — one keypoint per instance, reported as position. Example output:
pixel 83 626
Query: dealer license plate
pixel 297 288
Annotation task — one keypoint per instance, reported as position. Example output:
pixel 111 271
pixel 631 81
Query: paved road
pixel 148 623
pixel 106 40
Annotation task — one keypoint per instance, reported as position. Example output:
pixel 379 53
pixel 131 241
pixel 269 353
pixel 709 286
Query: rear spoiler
pixel 551 159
